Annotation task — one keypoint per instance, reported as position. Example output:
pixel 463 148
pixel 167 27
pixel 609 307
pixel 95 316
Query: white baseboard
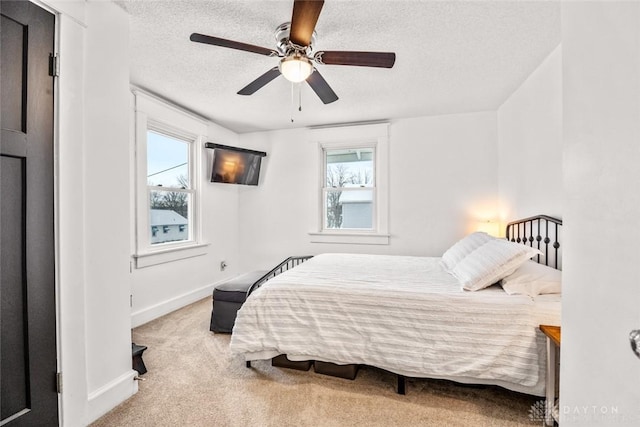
pixel 111 395
pixel 145 315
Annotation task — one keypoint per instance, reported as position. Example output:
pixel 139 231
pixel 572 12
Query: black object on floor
pixel 138 363
pixel 228 297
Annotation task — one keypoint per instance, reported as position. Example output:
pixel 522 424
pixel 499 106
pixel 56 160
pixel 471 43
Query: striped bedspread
pixel 402 314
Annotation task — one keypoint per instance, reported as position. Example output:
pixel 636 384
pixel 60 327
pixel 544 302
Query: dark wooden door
pixel 27 286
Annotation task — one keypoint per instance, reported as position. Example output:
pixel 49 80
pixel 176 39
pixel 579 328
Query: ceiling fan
pixel 295 47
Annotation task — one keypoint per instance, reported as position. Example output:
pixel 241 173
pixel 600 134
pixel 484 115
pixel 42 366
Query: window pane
pixel 349 168
pixel 167 161
pixel 169 216
pixel 351 209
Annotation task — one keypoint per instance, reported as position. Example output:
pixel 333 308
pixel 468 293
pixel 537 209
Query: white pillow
pixel 533 279
pixel 462 248
pixel 491 262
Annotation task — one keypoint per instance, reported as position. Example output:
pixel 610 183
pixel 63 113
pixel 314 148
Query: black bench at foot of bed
pixel 349 371
pixel 229 296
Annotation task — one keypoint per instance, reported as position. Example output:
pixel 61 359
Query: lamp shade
pixel 296 68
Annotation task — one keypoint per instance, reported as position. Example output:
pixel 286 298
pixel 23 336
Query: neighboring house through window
pixel 168 145
pixel 349 188
pixel 169 185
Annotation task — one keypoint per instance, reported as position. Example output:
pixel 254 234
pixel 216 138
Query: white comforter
pixel 402 314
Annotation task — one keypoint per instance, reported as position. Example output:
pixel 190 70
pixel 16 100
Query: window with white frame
pixel 170 186
pixel 167 195
pixel 353 199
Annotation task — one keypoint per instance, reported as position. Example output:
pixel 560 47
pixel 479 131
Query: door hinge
pixel 59 382
pixel 54 65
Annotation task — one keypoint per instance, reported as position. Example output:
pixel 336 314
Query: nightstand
pixel 553 351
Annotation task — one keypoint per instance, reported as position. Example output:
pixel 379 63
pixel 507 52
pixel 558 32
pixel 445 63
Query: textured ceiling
pixel 451 57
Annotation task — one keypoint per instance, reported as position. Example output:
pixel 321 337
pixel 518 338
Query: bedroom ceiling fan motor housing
pixel 296 64
pixel 285 47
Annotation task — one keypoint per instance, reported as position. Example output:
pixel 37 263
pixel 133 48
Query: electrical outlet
pixel 223 265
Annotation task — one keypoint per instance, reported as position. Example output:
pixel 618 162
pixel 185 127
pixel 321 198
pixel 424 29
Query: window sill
pixel 164 255
pixel 350 238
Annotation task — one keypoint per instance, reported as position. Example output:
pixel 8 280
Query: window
pixel 349 188
pixel 168 146
pixel 353 186
pixel 169 185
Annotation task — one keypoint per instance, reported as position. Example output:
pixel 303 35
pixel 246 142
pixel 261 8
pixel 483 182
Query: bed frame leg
pixel 248 363
pixel 401 384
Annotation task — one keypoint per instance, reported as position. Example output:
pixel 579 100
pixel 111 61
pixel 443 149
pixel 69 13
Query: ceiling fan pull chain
pixel 299 97
pixel 292 101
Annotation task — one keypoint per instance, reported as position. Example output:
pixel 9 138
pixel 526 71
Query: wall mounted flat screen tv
pixel 233 165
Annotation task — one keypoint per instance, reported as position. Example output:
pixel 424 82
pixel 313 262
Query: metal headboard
pixel 542 232
pixel 285 265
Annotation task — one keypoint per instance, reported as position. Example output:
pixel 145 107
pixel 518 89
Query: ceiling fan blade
pixel 217 41
pixel 321 88
pixel 360 59
pixel 303 21
pixel 258 83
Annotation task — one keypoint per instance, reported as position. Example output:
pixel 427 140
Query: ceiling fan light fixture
pixel 296 68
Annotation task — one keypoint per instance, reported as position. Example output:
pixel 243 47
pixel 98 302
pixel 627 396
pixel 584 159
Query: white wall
pixel 92 184
pixel 530 141
pixel 162 288
pixel 442 180
pixel 70 223
pixel 601 290
pixel 106 183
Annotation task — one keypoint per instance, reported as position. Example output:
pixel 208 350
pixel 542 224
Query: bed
pixel 408 315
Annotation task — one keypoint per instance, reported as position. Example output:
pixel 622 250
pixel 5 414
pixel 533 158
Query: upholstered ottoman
pixel 228 297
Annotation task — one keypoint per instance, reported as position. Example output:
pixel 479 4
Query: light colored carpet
pixel 192 380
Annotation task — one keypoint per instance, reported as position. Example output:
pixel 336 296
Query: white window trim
pixel 156 115
pixel 365 136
